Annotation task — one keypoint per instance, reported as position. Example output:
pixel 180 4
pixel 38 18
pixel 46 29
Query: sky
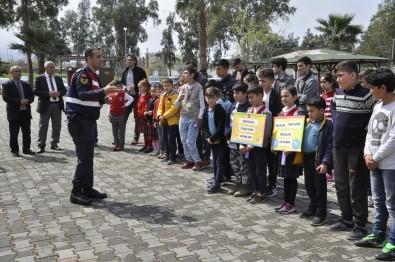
pixel 305 17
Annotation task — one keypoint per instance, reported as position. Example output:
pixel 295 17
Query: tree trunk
pixel 30 66
pixel 202 37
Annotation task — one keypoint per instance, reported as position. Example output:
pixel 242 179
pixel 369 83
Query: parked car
pixel 2 81
pixel 153 80
pixel 175 79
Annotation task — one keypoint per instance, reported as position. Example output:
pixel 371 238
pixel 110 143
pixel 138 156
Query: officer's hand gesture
pixel 110 89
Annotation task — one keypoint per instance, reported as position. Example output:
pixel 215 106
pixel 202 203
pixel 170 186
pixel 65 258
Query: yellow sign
pixel 288 133
pixel 248 129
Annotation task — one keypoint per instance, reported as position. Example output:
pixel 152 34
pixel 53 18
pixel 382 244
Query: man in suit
pixel 50 90
pixel 18 95
pixel 131 76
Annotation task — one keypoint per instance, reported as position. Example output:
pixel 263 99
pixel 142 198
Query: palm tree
pixel 26 49
pixel 338 32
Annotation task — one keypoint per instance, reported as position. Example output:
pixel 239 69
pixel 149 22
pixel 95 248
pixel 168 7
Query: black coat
pixel 13 99
pixel 138 75
pixel 219 121
pixel 41 89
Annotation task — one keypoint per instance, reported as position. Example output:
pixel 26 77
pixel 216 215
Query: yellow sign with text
pixel 288 133
pixel 248 129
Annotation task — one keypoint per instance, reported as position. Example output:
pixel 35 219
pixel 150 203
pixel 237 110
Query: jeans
pixel 315 185
pixel 218 161
pixel 351 181
pixel 170 134
pixel 118 130
pixel 129 109
pixel 189 132
pixel 383 190
pixel 256 163
pixel 159 130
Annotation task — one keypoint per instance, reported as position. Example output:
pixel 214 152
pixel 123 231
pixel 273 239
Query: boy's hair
pixel 347 66
pixel 255 90
pixel 236 61
pixel 240 86
pixel 222 62
pixel 365 72
pixel 191 63
pixel 382 76
pixel 317 102
pixel 116 82
pixel 193 71
pixel 251 78
pixel 330 79
pixel 266 72
pixel 167 81
pixel 132 56
pixel 214 83
pixel 280 62
pixel 159 86
pixel 212 92
pixel 305 60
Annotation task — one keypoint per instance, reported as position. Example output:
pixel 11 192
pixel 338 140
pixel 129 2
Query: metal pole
pixel 125 29
pixel 392 53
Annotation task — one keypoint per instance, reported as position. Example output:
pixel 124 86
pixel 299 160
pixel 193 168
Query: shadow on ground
pixel 150 214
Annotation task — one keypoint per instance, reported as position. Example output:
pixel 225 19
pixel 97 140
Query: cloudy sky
pixel 305 17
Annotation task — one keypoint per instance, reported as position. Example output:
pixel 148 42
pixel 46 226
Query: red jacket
pixel 142 104
pixel 117 107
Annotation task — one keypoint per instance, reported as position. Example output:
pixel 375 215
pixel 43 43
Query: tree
pixel 377 40
pixel 25 14
pixel 168 51
pixel 112 16
pixel 311 41
pixel 338 32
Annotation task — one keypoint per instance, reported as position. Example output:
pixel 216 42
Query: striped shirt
pixel 328 98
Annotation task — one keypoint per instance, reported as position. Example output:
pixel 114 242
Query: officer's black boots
pixel 77 197
pixel 93 193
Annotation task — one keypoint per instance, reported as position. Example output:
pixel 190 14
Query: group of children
pixel 333 139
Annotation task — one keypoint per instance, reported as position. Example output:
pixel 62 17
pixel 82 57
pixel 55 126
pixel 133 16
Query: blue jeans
pixel 189 132
pixel 218 161
pixel 159 130
pixel 383 192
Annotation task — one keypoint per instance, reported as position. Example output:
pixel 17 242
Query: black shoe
pixel 171 162
pixel 141 149
pixel 341 226
pixel 318 221
pixel 371 240
pixel 93 193
pixel 28 152
pixel 40 150
pixel 80 199
pixel 15 154
pixel 55 147
pixel 357 233
pixel 167 159
pixel 148 150
pixel 387 253
pixel 306 214
pixel 214 188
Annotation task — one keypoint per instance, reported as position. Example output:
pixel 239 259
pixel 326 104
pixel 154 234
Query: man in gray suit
pixel 50 90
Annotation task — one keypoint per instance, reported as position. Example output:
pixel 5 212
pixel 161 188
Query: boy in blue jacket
pixel 317 148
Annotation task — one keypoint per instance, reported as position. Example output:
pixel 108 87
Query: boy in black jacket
pixel 214 130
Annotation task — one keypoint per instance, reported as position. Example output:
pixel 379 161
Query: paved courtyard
pixel 154 212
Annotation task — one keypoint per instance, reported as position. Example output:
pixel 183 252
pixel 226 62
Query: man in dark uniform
pixel 83 109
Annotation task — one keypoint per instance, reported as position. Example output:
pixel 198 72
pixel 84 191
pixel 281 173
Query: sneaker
pixel 154 153
pixel 215 188
pixel 115 148
pixel 271 192
pixel 198 165
pixel 371 240
pixel 142 149
pixel 357 233
pixel 164 156
pixel 148 150
pixel 160 155
pixel 187 165
pixel 259 198
pixel 341 226
pixel 226 180
pixel 171 162
pixel 165 160
pixel 251 197
pixel 318 221
pixel 287 209
pixel 306 214
pixel 387 253
pixel 233 190
pixel 210 179
pixel 244 191
pixel 120 148
pixel 280 206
